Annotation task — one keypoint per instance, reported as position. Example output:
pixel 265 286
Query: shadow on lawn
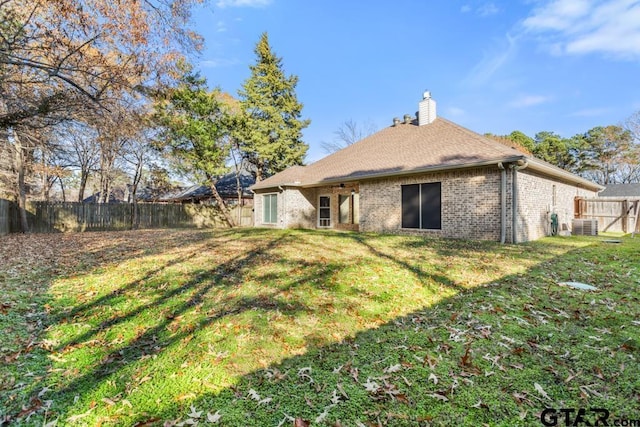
pixel 154 340
pixel 342 368
pixel 419 272
pixel 71 255
pixel 490 338
pixel 214 277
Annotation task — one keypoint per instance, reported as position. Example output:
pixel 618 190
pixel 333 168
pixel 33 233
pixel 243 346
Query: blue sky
pixel 492 66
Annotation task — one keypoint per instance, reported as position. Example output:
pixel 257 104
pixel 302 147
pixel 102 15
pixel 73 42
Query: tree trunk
pixel 238 170
pixel 83 184
pixel 64 196
pixel 19 167
pixel 45 179
pixel 105 185
pixel 133 194
pixel 239 201
pixel 222 204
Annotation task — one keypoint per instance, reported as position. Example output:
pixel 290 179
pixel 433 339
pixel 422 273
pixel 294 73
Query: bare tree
pixel 137 155
pixel 80 150
pixel 349 132
pixel 631 168
pixel 58 58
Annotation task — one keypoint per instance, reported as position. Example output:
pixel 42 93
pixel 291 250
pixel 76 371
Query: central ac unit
pixel 585 227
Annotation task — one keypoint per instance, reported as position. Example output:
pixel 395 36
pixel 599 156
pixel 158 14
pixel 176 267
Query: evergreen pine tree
pixel 270 134
pixel 195 125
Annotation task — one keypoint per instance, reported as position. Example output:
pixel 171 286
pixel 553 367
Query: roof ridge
pixel 484 139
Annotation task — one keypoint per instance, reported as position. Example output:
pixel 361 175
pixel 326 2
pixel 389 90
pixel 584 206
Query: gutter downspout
pixel 283 222
pixel 503 203
pixel 521 164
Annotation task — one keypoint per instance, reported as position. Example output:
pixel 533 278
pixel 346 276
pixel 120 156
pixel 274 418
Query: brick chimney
pixel 426 109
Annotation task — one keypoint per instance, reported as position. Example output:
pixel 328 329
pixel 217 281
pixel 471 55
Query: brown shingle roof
pixel 398 150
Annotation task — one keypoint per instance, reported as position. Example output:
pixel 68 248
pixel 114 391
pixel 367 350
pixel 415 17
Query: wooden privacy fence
pixel 613 214
pixel 45 217
pixel 5 207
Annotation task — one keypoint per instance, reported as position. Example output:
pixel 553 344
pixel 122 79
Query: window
pixel 421 206
pixel 324 211
pixel 270 208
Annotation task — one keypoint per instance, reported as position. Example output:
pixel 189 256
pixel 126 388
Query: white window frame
pixel 330 222
pixel 263 206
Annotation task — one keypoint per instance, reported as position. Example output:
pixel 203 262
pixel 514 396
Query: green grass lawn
pixel 268 328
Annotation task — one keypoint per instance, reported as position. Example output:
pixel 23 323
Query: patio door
pixel 324 212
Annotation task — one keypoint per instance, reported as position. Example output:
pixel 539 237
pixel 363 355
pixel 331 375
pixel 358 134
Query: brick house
pixel 426 176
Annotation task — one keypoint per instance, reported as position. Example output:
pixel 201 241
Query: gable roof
pixel 226 186
pixel 621 190
pixel 408 149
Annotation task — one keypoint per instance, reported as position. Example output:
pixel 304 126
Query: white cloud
pixel 492 62
pixel 218 62
pixel 558 15
pixel 610 27
pixel 488 9
pixel 593 112
pixel 455 112
pixel 243 3
pixel 221 27
pixel 529 101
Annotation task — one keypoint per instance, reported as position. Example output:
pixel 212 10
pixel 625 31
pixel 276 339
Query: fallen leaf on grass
pixel 393 368
pixel 108 401
pixel 265 401
pixel 341 390
pixel 35 405
pixel 480 404
pixel 214 418
pixel 439 397
pixel 371 386
pixel 432 377
pixel 254 395
pixel 323 416
pixel 194 413
pixel 598 372
pixel 75 418
pixel 540 390
pixel 43 391
pixel 4 308
pixel 430 360
pixel 305 373
pixel 521 398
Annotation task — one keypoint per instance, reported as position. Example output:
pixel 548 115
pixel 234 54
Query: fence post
pixel 5 222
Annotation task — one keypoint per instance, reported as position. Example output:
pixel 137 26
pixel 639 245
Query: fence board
pixel 45 217
pixel 5 221
pixel 613 214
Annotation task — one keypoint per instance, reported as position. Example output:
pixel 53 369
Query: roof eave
pixel 414 171
pixel 346 179
pixel 540 166
pixel 270 186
